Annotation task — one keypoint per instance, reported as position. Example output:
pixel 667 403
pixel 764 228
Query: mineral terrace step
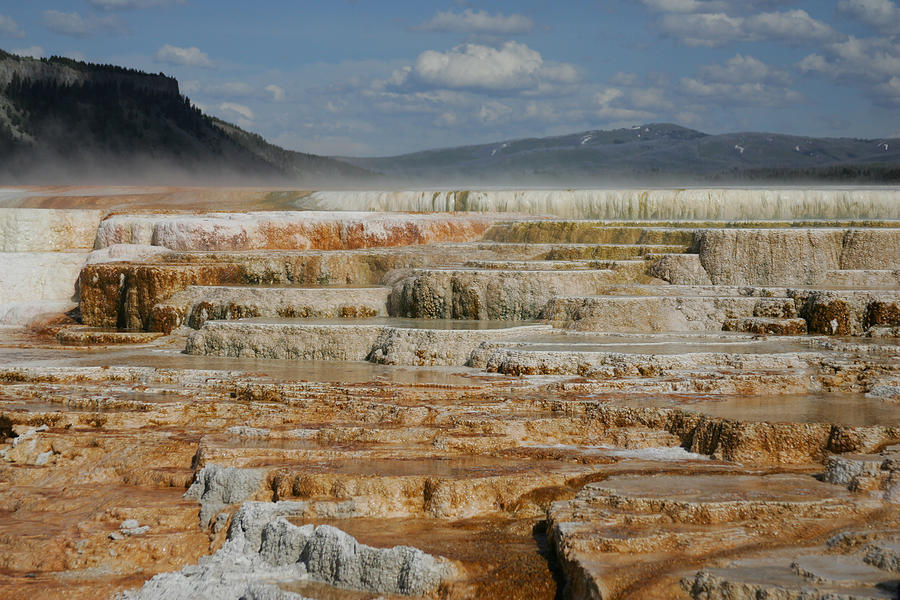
pixel 773 355
pixel 298 230
pixel 733 510
pixel 766 325
pixel 864 279
pixel 647 313
pixel 592 232
pixel 497 293
pixel 387 341
pixel 611 251
pixel 194 305
pixel 774 578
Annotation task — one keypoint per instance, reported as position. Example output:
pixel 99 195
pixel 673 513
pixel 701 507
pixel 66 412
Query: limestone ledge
pixel 294 230
pixel 627 204
pixel 377 342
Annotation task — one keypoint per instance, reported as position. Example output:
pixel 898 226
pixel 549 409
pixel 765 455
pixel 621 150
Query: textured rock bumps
pixel 263 548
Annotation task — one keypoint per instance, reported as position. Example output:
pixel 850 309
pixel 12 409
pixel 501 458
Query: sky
pixel 376 78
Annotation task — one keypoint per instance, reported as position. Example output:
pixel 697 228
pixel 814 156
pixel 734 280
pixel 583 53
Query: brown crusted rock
pixel 882 313
pixel 831 316
pixel 679 269
pixel 766 326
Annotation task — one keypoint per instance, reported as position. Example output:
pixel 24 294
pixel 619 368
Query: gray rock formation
pixel 217 487
pixel 263 548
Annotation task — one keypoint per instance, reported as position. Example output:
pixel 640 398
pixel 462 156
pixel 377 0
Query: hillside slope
pixel 66 120
pixel 657 149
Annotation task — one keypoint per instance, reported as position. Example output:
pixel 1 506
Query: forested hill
pixel 63 120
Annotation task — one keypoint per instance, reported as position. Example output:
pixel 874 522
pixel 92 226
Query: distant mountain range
pixel 655 150
pixel 65 121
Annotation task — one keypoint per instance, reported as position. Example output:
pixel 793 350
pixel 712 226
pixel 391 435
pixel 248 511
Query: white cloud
pixel 226 89
pixel 741 69
pixel 513 66
pixel 871 63
pixel 75 25
pixel 684 6
pixel 870 59
pixel 277 92
pixel 32 51
pixel 471 21
pixel 889 92
pixel 121 4
pixel 651 97
pixel 742 80
pixel 190 57
pixel 9 28
pixel 621 78
pixel 707 6
pixel 716 29
pixel 606 96
pixel 880 15
pixel 237 109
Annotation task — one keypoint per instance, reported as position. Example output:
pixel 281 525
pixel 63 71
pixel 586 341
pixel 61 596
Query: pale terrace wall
pixel 41 255
pixel 626 204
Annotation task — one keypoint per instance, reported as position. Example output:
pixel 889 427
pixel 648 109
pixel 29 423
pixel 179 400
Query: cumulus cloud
pixel 277 92
pixel 472 21
pixel 190 57
pixel 716 29
pixel 684 6
pixel 872 63
pixel 9 28
pixel 224 89
pixel 742 80
pixel 869 59
pixel 742 68
pixel 513 66
pixel 237 109
pixel 731 6
pixel 123 4
pixel 75 25
pixel 888 93
pixel 32 51
pixel 880 15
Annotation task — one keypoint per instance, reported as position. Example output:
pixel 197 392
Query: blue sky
pixel 366 77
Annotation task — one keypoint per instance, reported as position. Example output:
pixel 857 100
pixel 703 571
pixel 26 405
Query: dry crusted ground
pixel 504 475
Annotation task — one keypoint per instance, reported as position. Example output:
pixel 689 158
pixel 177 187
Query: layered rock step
pixel 288 230
pixel 388 341
pixel 801 573
pixel 123 294
pixel 195 305
pixel 775 311
pixel 497 294
pixel 649 313
pixel 592 232
pixel 616 531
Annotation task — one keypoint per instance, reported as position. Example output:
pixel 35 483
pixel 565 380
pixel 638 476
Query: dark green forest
pixel 110 120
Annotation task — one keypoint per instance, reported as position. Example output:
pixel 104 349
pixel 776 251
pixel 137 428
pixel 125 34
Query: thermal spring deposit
pixel 279 394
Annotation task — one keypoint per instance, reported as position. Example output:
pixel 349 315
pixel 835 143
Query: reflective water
pixel 819 407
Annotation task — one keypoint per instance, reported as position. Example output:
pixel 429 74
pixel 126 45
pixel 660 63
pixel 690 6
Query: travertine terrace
pixel 604 394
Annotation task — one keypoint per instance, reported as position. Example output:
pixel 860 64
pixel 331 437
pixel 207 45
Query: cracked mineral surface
pixel 599 394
